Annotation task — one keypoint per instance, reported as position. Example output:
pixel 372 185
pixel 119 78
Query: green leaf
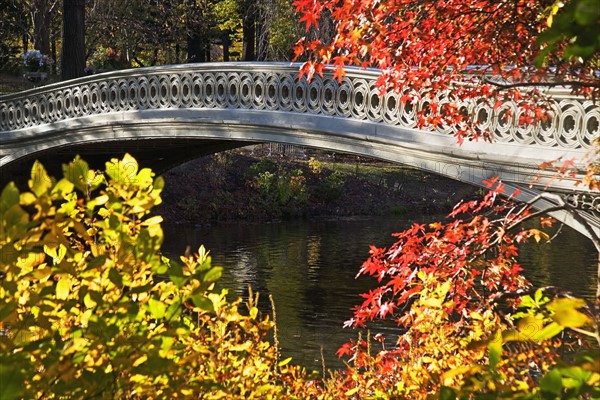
pixel 587 12
pixel 7 310
pixel 10 196
pixel 174 310
pixel 447 393
pixel 11 379
pixel 538 295
pixel 97 262
pixel 15 216
pixel 203 302
pixel 176 273
pixel 40 181
pixel 156 308
pixel 212 275
pixel 552 382
pixel 495 351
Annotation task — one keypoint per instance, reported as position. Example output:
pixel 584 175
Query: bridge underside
pixel 158 154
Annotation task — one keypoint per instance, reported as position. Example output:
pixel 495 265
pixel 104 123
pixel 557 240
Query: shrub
pixel 332 187
pixel 315 166
pixel 89 307
pixel 264 165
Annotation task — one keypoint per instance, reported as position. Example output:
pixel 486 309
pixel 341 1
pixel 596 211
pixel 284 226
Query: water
pixel 309 268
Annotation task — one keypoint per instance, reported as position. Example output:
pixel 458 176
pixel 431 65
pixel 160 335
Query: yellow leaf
pixel 566 303
pixel 27 198
pixel 449 375
pixel 539 235
pixel 40 181
pixel 88 301
pixel 570 318
pixel 63 288
pixel 140 360
pixel 432 302
pixel 529 327
pixel 157 219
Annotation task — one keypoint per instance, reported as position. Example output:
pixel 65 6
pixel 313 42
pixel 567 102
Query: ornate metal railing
pixel 276 87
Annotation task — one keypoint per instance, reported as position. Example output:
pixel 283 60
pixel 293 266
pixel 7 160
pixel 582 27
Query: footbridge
pixel 169 114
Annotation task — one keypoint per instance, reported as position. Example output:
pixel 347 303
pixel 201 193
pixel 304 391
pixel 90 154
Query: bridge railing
pixel 276 87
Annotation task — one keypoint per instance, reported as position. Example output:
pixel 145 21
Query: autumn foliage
pixel 486 50
pixel 89 308
pixel 473 326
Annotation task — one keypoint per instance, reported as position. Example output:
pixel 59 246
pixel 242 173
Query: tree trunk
pixel 226 42
pixel 73 44
pixel 196 51
pixel 41 26
pixel 249 31
pixel 53 55
pixel 263 29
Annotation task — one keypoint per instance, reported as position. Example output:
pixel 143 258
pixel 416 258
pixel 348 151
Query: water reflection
pixel 309 268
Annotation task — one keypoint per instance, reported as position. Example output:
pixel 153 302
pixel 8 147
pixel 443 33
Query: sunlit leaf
pixel 284 362
pixel 157 308
pixel 40 181
pixel 63 288
pixel 549 331
pixel 571 318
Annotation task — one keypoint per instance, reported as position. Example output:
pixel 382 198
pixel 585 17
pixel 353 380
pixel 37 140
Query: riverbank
pixel 258 184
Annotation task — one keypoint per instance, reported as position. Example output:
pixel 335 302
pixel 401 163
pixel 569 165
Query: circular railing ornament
pixel 574 123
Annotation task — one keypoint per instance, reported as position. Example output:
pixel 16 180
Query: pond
pixel 309 268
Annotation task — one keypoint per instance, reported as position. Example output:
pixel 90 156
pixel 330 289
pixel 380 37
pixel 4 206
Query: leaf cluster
pixel 483 51
pixel 473 327
pixel 90 308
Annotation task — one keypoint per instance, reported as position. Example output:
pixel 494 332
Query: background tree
pixel 13 32
pixel 73 43
pixel 27 25
pixel 41 12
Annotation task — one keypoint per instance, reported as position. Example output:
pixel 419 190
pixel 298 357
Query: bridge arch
pixel 175 112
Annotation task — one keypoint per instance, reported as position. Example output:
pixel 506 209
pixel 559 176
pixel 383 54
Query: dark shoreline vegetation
pixel 256 185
